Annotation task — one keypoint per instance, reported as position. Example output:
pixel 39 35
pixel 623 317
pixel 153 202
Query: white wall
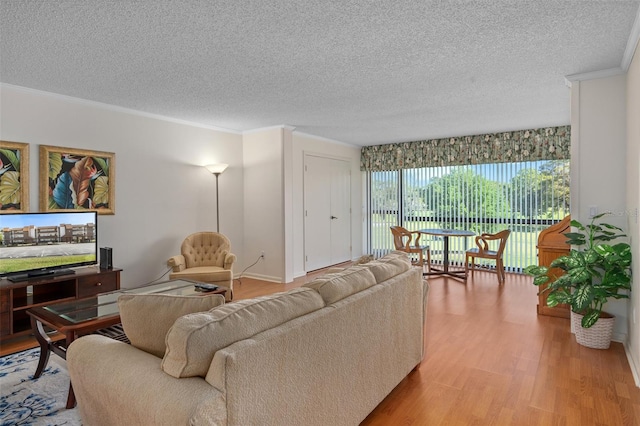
pixel 308 144
pixel 162 192
pixel 274 198
pixel 598 161
pixel 633 203
pixel 263 203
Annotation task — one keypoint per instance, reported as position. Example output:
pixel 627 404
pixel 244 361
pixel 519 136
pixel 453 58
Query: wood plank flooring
pixel 491 360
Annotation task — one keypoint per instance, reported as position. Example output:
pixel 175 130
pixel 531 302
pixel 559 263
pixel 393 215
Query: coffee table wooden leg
pixel 43 341
pixel 45 351
pixel 71 398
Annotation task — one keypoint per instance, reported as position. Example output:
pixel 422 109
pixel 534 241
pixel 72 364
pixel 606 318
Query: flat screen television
pixel 35 244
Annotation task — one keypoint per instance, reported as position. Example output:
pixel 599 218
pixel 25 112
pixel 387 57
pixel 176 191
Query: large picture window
pixel 525 197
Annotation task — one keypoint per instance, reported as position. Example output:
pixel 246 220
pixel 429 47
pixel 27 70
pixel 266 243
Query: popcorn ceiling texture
pixel 363 72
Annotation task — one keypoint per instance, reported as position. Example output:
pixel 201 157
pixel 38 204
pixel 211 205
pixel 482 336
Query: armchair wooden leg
pixel 500 271
pixel 420 261
pixel 469 260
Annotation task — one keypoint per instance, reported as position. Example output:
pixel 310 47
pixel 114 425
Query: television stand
pixel 17 297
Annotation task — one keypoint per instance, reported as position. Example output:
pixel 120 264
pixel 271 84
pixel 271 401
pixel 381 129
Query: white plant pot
pixel 598 336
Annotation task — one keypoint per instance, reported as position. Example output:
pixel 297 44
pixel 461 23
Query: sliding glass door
pixel 525 197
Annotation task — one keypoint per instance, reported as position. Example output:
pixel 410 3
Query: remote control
pixel 206 287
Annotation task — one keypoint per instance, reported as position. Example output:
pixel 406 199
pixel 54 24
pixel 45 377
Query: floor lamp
pixel 216 169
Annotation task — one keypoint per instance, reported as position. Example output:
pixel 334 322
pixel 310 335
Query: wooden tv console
pixel 17 297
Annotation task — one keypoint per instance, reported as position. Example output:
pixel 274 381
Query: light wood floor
pixel 491 360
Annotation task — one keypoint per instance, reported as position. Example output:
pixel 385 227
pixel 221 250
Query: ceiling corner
pixel 632 43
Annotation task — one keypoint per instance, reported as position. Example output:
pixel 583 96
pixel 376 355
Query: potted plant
pixel 594 271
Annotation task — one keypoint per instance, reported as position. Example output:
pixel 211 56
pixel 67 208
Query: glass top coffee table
pixel 96 314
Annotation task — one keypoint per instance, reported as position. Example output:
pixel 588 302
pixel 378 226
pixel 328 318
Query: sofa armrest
pixel 177 263
pixel 425 295
pixel 117 384
pixel 229 260
pixel 146 318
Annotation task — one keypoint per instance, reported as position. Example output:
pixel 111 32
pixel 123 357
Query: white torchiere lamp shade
pixel 216 169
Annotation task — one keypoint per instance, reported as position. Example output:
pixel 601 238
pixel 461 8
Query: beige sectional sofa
pixel 326 353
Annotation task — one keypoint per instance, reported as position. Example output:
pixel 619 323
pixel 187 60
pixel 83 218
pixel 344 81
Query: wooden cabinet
pixel 17 297
pixel 91 285
pixel 551 245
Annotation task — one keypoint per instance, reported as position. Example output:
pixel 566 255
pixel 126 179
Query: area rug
pixel 28 401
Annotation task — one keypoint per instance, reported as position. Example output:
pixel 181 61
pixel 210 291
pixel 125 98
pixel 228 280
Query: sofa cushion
pixel 194 339
pixel 389 266
pixel 146 318
pixel 337 286
pixel 363 259
pixel 395 253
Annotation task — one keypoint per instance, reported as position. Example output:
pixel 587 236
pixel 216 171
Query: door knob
pixel 333 217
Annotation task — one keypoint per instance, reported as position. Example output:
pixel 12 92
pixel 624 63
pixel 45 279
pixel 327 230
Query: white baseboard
pixel 619 337
pixel 632 364
pixel 264 277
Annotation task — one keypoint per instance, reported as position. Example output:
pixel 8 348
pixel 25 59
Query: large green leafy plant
pixel 594 270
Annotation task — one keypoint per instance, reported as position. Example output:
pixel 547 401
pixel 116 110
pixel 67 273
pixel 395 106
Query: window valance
pixel 549 143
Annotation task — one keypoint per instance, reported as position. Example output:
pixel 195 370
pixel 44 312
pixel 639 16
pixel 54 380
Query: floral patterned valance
pixel 549 143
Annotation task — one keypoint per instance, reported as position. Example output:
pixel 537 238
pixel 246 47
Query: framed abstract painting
pixel 73 179
pixel 14 177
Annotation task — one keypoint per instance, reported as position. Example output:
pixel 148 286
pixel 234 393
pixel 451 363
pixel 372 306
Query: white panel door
pixel 317 209
pixel 327 221
pixel 340 211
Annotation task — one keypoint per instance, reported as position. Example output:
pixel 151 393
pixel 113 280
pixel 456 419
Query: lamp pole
pixel 217 205
pixel 217 169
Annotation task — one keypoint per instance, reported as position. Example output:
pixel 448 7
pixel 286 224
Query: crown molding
pixel 297 132
pixel 569 79
pixel 323 139
pixel 632 43
pixel 116 108
pixel 262 129
pixel 627 57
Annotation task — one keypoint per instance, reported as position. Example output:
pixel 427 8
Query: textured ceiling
pixel 361 72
